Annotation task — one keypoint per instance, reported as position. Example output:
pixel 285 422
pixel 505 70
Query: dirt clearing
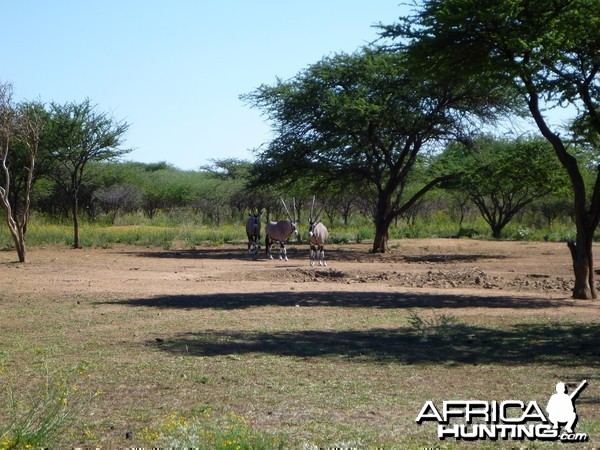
pixel 524 267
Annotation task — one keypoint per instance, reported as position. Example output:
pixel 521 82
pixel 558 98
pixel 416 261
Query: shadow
pixel 342 299
pixel 296 251
pixel 556 345
pixel 427 342
pixel 363 255
pixel 12 264
pixel 210 253
pixel 590 400
pixel 448 258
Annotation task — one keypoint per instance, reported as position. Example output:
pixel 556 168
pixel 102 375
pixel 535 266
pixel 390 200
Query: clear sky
pixel 174 69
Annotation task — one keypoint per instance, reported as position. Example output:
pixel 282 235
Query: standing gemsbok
pixel 280 232
pixel 317 237
pixel 253 233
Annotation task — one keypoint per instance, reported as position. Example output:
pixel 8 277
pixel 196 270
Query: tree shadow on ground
pixel 449 258
pixel 344 299
pixel 431 342
pixel 395 256
pixel 563 345
pixel 301 251
pixel 240 253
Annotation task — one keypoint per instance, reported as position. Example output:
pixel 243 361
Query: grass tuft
pixel 437 325
pixel 34 422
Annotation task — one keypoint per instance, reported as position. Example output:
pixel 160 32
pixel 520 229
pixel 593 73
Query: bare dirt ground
pixel 538 269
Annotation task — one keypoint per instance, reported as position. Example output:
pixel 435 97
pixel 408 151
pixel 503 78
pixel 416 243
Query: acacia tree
pixel 20 135
pixel 360 119
pixel 547 50
pixel 79 134
pixel 501 177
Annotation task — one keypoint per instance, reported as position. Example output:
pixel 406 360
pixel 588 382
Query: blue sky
pixel 175 69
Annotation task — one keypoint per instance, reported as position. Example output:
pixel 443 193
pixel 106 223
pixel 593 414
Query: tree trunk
pixel 581 252
pixel 75 212
pixel 17 233
pixel 380 243
pixel 20 245
pixel 496 231
pixel 583 266
pixel 383 220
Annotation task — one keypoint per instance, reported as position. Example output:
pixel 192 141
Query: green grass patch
pixel 35 419
pixel 92 235
pixel 169 230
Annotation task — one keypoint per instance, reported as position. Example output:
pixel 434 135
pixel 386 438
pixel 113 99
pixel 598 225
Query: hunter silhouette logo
pixel 509 419
pixel 561 408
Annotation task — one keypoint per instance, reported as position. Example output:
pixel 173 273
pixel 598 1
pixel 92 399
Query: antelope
pixel 317 237
pixel 253 233
pixel 280 232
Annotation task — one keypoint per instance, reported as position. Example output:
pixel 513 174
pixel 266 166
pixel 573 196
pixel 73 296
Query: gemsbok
pixel 317 237
pixel 253 233
pixel 280 232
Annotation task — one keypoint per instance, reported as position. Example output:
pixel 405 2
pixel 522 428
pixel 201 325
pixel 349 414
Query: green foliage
pixel 104 236
pixel 78 134
pixel 502 177
pixel 181 231
pixel 550 46
pixel 36 421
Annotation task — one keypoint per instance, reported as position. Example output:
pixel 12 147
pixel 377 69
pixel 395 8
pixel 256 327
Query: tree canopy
pixel 78 134
pixel 363 118
pixel 502 176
